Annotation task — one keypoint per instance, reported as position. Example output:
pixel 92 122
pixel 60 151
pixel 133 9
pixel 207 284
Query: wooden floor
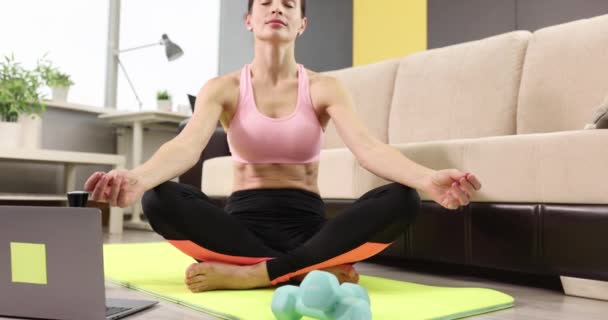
pixel 539 301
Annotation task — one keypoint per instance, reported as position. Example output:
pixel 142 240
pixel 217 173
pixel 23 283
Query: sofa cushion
pixel 467 90
pixel 337 174
pixel 218 177
pixel 371 87
pixel 559 167
pixel 564 76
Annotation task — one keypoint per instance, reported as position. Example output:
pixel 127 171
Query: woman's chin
pixel 275 37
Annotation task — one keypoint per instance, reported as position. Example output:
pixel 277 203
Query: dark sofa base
pixel 528 239
pixel 543 239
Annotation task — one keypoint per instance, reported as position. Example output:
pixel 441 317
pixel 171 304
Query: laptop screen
pixel 51 258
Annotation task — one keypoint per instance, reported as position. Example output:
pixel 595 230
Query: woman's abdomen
pixel 269 175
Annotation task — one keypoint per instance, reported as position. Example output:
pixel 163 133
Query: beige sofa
pixel 509 108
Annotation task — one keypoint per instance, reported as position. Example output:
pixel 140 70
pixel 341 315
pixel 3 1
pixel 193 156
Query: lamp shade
pixel 172 50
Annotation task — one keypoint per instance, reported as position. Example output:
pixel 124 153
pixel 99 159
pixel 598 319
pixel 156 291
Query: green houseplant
pixel 163 100
pixel 20 102
pixel 58 81
pixel 18 91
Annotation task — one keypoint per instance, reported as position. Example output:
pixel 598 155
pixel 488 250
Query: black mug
pixel 78 198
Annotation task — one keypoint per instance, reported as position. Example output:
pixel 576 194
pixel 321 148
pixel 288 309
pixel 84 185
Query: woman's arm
pixel 449 188
pixel 182 152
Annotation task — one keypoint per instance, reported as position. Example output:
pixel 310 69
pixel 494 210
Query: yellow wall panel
pixel 384 29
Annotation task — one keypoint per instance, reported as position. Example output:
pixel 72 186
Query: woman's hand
pixel 120 188
pixel 451 188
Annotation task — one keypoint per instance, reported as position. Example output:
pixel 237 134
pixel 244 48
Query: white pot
pixel 60 93
pixel 11 135
pixel 184 109
pixel 31 131
pixel 164 105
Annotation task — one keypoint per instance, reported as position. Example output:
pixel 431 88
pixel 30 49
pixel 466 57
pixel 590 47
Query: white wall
pixel 74 32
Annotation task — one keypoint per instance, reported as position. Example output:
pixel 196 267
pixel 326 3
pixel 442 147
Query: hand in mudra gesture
pixel 451 188
pixel 120 188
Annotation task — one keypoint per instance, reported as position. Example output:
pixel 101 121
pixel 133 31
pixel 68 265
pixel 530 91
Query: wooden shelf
pixel 70 160
pixel 32 197
pixel 56 156
pixel 77 107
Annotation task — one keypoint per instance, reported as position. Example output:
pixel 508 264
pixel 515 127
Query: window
pixel 192 24
pixel 75 32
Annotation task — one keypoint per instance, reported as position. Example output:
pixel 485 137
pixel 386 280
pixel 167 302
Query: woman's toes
pixel 200 285
pixel 195 288
pixel 344 276
pixel 195 279
pixel 352 274
pixel 190 270
pixel 196 269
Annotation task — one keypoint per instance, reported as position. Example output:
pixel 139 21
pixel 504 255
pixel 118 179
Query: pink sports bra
pixel 254 137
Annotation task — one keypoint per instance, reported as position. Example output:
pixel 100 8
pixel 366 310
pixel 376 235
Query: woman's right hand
pixel 120 188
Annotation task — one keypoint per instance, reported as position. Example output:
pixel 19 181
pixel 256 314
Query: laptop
pixel 51 265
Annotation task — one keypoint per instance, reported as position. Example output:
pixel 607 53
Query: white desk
pixel 69 159
pixel 71 106
pixel 137 120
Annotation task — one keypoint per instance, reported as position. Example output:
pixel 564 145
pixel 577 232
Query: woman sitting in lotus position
pixel 273 228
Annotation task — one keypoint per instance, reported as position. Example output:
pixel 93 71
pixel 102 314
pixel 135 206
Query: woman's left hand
pixel 451 188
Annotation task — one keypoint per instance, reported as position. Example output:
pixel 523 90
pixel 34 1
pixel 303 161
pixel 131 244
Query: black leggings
pixel 286 227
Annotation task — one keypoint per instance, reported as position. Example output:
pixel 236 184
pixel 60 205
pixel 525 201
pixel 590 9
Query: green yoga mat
pixel 158 269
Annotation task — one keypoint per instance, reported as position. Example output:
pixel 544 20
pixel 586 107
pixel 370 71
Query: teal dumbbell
pixel 321 296
pixel 284 303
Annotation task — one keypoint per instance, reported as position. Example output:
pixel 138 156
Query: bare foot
pixel 344 273
pixel 207 276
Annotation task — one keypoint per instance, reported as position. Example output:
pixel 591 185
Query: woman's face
pixel 278 20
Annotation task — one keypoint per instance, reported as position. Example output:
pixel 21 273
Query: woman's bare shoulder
pixel 223 86
pixel 322 82
pixel 320 77
pixel 228 80
pixel 313 75
pixel 323 88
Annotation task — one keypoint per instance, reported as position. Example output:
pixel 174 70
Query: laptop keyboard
pixel 114 310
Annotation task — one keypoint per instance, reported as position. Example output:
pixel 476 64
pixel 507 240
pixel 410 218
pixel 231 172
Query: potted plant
pixel 20 105
pixel 163 100
pixel 58 81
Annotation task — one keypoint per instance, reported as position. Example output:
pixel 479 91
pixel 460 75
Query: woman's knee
pixel 158 206
pixel 156 199
pixel 404 201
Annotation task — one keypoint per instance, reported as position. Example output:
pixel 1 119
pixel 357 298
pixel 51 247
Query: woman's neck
pixel 274 62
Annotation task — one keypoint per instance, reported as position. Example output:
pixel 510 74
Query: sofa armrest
pixel 216 147
pixel 555 167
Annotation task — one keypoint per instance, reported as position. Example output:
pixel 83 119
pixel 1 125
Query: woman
pixel 273 228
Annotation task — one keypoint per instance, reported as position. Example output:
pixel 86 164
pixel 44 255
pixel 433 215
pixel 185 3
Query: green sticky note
pixel 28 262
